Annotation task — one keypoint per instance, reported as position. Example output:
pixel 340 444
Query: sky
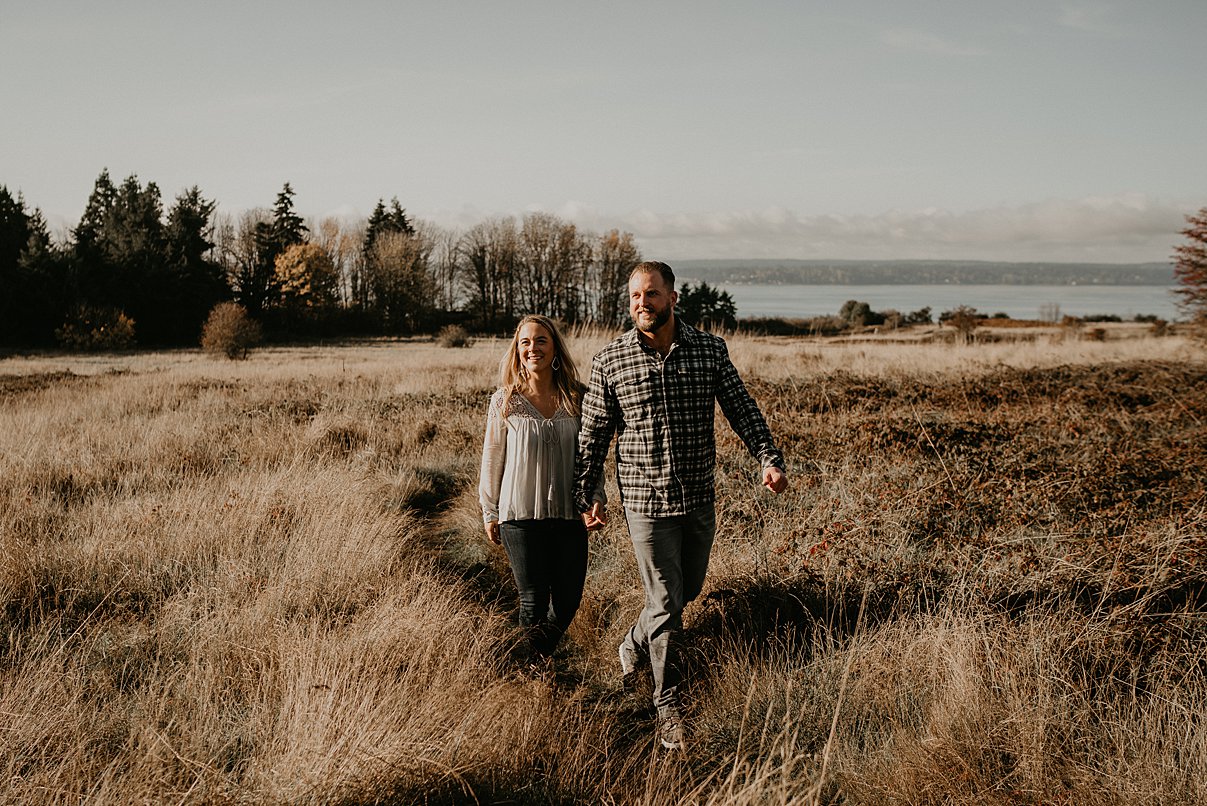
pixel 970 130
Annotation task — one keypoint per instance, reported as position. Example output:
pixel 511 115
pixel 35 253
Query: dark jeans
pixel 549 561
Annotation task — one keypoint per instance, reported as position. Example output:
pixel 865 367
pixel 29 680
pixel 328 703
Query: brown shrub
pixel 229 331
pixel 454 336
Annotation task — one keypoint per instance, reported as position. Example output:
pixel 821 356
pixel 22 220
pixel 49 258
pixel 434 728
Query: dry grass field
pixel 266 582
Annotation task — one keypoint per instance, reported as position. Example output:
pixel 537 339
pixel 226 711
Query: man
pixel 654 388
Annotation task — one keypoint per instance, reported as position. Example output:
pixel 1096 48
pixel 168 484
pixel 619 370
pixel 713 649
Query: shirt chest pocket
pixel 638 393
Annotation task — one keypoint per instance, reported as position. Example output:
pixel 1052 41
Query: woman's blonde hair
pixel 513 376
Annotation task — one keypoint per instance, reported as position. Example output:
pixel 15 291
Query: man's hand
pixel 492 533
pixel 775 479
pixel 595 518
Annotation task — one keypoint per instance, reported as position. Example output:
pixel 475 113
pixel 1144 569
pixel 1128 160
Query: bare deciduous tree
pixel 615 256
pixel 445 264
pixel 343 240
pixel 402 287
pixel 552 267
pixel 1190 267
pixel 241 250
pixel 488 256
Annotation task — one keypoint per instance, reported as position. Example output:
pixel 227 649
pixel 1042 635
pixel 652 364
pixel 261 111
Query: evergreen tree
pixel 199 280
pixel 42 294
pixel 133 276
pixel 287 226
pixel 14 229
pixel 119 250
pixel 706 307
pixel 383 220
pixel 125 257
pixel 96 211
pixel 257 283
pixel 189 229
pixel 272 238
pixel 14 234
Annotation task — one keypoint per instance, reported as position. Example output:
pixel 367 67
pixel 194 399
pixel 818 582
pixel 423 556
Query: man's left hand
pixel 775 479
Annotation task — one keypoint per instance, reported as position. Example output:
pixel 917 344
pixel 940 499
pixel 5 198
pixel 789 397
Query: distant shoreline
pixel 1017 301
pixel 922 272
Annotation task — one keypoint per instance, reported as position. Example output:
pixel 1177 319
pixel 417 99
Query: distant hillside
pixel 922 272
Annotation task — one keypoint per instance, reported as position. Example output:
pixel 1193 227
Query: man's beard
pixel 660 319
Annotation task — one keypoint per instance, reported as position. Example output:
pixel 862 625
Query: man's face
pixel 650 301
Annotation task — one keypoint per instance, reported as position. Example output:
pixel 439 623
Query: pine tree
pixel 285 229
pixel 706 307
pixel 46 286
pixel 14 234
pixel 14 229
pixel 133 276
pixel 287 226
pixel 126 258
pixel 383 220
pixel 87 234
pixel 118 250
pixel 198 279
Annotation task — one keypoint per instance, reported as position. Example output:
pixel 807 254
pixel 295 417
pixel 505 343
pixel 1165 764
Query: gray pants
pixel 672 558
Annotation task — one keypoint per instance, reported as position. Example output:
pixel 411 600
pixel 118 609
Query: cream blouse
pixel 527 462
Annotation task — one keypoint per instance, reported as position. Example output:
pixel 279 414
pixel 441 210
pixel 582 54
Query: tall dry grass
pixel 265 581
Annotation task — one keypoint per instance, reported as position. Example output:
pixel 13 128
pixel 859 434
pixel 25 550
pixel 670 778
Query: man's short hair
pixel 656 267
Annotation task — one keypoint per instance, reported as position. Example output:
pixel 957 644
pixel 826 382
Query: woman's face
pixel 535 347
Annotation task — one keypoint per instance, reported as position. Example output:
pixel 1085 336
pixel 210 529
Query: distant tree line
pixel 130 272
pixel 923 272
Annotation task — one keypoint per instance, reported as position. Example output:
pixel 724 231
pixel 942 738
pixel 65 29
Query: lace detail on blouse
pixel 520 406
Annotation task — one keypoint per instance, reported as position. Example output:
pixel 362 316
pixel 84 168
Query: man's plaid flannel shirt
pixel 661 411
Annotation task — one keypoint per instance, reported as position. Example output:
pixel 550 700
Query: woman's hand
pixel 492 533
pixel 595 518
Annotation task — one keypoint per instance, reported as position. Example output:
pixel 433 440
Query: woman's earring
pixel 557 363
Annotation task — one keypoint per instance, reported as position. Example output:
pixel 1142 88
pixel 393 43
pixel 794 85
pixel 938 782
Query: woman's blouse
pixel 527 462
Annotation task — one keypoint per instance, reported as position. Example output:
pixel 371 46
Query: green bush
pixel 229 331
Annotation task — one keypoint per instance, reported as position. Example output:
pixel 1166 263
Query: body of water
pixel 1016 301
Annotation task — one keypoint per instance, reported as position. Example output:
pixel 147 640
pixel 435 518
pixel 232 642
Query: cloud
pixel 1120 229
pixel 1090 19
pixel 917 41
pixel 1129 228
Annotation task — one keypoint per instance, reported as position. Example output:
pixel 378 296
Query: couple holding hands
pixel 547 438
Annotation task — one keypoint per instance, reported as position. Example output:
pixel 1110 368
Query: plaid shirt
pixel 661 410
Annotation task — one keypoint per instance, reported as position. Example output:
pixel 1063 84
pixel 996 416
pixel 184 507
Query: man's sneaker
pixel 670 731
pixel 630 668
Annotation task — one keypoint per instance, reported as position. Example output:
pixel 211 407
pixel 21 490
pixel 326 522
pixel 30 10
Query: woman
pixel 527 479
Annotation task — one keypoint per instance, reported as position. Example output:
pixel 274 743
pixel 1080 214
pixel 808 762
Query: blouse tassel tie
pixel 549 436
